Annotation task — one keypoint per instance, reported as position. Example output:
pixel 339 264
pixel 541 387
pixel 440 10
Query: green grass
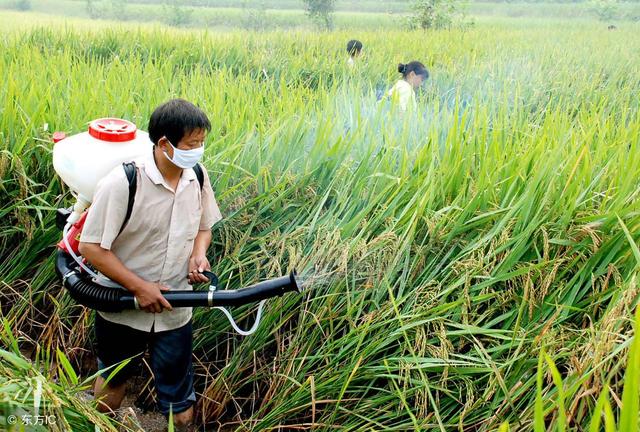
pixel 43 395
pixel 445 250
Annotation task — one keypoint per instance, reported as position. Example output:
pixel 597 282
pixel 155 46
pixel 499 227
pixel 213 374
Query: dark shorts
pixel 170 360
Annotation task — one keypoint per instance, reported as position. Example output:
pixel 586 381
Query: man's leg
pixel 109 397
pixel 115 343
pixel 173 373
pixel 183 420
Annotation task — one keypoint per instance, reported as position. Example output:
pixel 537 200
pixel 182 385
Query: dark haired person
pixel 161 247
pixel 354 49
pixel 414 74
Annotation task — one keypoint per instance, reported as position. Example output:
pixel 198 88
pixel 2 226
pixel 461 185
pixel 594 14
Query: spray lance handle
pixel 213 279
pixel 260 291
pixel 276 287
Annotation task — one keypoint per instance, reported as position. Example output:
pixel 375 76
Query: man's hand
pixel 147 294
pixel 198 264
pixel 150 298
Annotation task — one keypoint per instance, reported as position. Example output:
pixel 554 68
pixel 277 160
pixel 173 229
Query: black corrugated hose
pixel 108 299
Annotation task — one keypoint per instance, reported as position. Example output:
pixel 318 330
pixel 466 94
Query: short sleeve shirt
pixel 404 94
pixel 157 241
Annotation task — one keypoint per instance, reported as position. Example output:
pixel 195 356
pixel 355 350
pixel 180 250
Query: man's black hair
pixel 175 119
pixel 354 47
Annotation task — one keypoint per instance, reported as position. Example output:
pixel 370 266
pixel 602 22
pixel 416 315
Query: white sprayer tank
pixel 82 160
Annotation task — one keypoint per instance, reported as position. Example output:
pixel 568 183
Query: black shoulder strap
pixel 197 168
pixel 132 178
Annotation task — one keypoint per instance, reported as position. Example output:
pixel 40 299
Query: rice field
pixel 471 266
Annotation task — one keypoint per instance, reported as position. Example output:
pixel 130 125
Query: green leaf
pixel 630 396
pixel 557 380
pixel 504 427
pixel 596 417
pixel 15 360
pixel 632 243
pixel 609 420
pixel 538 419
pixel 69 373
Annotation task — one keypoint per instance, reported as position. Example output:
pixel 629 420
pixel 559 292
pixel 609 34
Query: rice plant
pixel 471 265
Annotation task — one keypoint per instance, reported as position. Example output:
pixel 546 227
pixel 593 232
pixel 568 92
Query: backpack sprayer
pixel 81 161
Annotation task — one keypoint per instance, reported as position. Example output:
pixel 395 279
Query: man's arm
pixel 148 294
pixel 198 261
pixel 210 216
pixel 101 228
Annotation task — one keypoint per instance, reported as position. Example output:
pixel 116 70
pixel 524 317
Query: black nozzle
pixel 253 293
pixel 108 299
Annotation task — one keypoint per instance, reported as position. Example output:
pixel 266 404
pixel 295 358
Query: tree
pixel 320 12
pixel 605 10
pixel 118 10
pixel 255 16
pixel 436 14
pixel 177 16
pixel 23 5
pixel 92 10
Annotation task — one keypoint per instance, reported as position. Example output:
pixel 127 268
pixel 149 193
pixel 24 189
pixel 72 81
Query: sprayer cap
pixel 112 129
pixel 58 136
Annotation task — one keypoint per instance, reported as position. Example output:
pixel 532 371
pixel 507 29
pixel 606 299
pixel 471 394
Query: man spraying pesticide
pixel 146 233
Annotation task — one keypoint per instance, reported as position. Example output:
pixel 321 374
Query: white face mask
pixel 185 159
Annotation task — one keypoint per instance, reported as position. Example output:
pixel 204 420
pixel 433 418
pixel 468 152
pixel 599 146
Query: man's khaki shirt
pixel 158 239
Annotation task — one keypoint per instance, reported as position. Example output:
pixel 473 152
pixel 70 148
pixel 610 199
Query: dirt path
pixel 151 421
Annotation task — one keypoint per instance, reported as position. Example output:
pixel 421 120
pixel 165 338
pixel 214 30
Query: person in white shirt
pixel 354 49
pixel 414 74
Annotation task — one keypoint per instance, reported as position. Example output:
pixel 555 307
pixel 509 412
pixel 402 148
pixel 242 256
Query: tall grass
pixel 450 254
pixel 43 395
